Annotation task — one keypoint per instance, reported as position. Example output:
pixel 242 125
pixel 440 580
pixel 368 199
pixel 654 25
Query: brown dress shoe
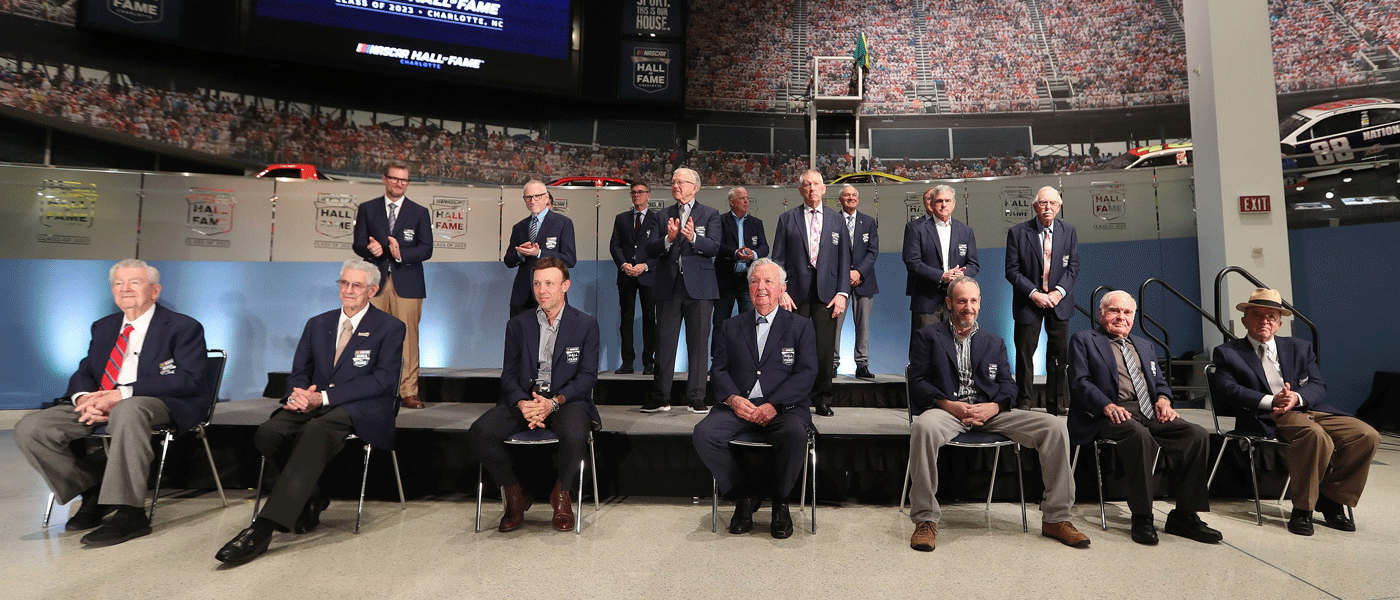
pixel 517 502
pixel 924 534
pixel 1066 533
pixel 563 510
pixel 412 402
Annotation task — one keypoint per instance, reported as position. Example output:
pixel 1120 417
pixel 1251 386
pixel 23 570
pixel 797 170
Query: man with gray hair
pixel 864 239
pixel 1042 263
pixel 742 242
pixel 543 233
pixel 344 380
pixel 143 368
pixel 937 250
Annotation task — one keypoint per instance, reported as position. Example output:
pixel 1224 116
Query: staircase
pixel 925 88
pixel 799 62
pixel 1174 24
pixel 1054 91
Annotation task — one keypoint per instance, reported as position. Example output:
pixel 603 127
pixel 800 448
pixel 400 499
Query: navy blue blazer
pixel 574 363
pixel 1239 380
pixel 366 381
pixel 933 368
pixel 833 258
pixel 414 229
pixel 923 259
pixel 1093 379
pixel 1025 260
pixel 697 258
pixel 170 367
pixel 788 367
pixel 865 248
pixel 729 243
pixel 556 238
pixel 628 248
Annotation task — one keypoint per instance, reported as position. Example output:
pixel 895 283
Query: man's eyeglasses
pixel 677 182
pixel 639 192
pixel 529 197
pixel 353 285
pixel 398 180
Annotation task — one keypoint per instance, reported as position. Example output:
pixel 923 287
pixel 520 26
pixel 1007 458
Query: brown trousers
pixel 1319 440
pixel 408 310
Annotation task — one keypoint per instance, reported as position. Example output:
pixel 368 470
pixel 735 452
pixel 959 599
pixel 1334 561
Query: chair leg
pixel 813 453
pixel 219 483
pixel 48 512
pixel 593 461
pixel 714 506
pixel 398 478
pixel 1285 489
pixel 160 470
pixel 1217 462
pixel 1098 473
pixel 364 479
pixel 904 489
pixel 257 491
pixel 578 514
pixel 479 485
pixel 992 486
pixel 1156 458
pixel 1254 478
pixel 1074 459
pixel 1021 485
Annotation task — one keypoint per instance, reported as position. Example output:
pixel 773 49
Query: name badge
pixel 836 238
pixel 992 371
pixel 865 237
pixel 962 249
pixel 550 243
pixel 700 230
pixel 167 367
pixel 408 235
pixel 361 358
pixel 753 240
pixel 363 334
pixel 1302 382
pixel 1154 368
pixel 789 356
pixel 571 355
pixel 1064 261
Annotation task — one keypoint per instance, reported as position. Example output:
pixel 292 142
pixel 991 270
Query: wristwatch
pixel 555 401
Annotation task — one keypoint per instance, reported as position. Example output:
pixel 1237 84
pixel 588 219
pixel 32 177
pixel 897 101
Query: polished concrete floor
pixel 663 548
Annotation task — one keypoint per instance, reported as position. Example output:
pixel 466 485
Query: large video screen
pixel 507 43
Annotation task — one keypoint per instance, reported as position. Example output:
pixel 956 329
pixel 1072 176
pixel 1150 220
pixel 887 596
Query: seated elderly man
pixel 345 379
pixel 1275 385
pixel 142 368
pixel 960 380
pixel 1117 392
pixel 764 365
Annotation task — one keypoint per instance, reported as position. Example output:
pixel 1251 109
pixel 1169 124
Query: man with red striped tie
pixel 142 368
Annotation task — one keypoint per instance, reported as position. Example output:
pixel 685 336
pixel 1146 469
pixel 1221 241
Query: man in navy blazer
pixel 765 362
pixel 818 286
pixel 1042 288
pixel 547 377
pixel 635 278
pixel 685 239
pixel 960 381
pixel 344 380
pixel 1118 392
pixel 543 233
pixel 398 246
pixel 143 367
pixel 937 250
pixel 1275 387
pixel 741 242
pixel 864 238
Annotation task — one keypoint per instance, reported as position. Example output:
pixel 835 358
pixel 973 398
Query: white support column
pixel 1234 126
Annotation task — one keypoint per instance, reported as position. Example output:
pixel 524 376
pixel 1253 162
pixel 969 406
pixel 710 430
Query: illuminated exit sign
pixel 1254 204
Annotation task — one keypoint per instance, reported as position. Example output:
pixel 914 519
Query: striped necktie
pixel 114 360
pixel 1130 360
pixel 534 227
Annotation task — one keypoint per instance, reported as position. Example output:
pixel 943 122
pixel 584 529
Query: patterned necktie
pixel 534 227
pixel 636 224
pixel 345 331
pixel 814 237
pixel 393 215
pixel 762 334
pixel 114 360
pixel 851 229
pixel 1045 273
pixel 1130 360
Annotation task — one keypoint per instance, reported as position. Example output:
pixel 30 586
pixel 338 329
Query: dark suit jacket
pixel 628 248
pixel 1024 261
pixel 366 381
pixel 923 258
pixel 833 270
pixel 574 364
pixel 788 367
pixel 697 257
pixel 865 248
pixel 1093 379
pixel 933 368
pixel 413 228
pixel 729 243
pixel 556 238
pixel 173 340
pixel 1239 380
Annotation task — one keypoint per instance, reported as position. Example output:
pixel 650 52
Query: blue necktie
pixel 534 227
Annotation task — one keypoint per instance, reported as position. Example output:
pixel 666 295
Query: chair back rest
pixel 211 380
pixel 908 396
pixel 1218 407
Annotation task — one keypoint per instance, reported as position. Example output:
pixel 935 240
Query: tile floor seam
pixel 1281 570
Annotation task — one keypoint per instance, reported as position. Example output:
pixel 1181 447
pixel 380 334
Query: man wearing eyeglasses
pixel 396 235
pixel 343 381
pixel 1042 262
pixel 543 233
pixel 635 277
pixel 685 239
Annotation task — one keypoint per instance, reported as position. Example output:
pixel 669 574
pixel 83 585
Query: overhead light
pixel 1329 195
pixel 1346 180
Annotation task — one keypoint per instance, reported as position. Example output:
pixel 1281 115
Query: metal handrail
pixel 1094 301
pixel 1165 341
pixel 1220 310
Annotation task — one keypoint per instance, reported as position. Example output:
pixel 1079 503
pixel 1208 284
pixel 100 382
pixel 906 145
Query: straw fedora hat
pixel 1265 298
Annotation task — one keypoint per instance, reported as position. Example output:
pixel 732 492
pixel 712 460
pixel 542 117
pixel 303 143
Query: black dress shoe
pixel 625 370
pixel 89 515
pixel 864 373
pixel 824 410
pixel 1144 532
pixel 782 521
pixel 648 371
pixel 245 546
pixel 1300 522
pixel 1189 525
pixel 130 522
pixel 1335 514
pixel 310 516
pixel 742 521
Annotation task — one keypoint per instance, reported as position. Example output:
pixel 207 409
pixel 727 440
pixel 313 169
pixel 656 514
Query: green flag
pixel 862 57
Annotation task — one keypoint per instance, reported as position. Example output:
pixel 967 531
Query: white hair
pixel 753 268
pixel 356 264
pixel 152 273
pixel 1103 302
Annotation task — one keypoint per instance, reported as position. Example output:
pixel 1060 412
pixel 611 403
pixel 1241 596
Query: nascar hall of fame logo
pixel 1110 203
pixel 655 204
pixel 335 219
pixel 649 69
pixel 137 11
pixel 209 212
pixel 561 206
pixel 1016 202
pixel 449 220
pixel 914 202
pixel 66 206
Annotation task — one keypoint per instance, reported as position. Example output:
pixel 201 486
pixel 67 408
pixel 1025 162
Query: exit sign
pixel 1254 204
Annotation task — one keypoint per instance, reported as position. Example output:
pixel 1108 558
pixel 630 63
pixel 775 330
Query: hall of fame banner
pixel 69 213
pixel 316 219
pixel 207 218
